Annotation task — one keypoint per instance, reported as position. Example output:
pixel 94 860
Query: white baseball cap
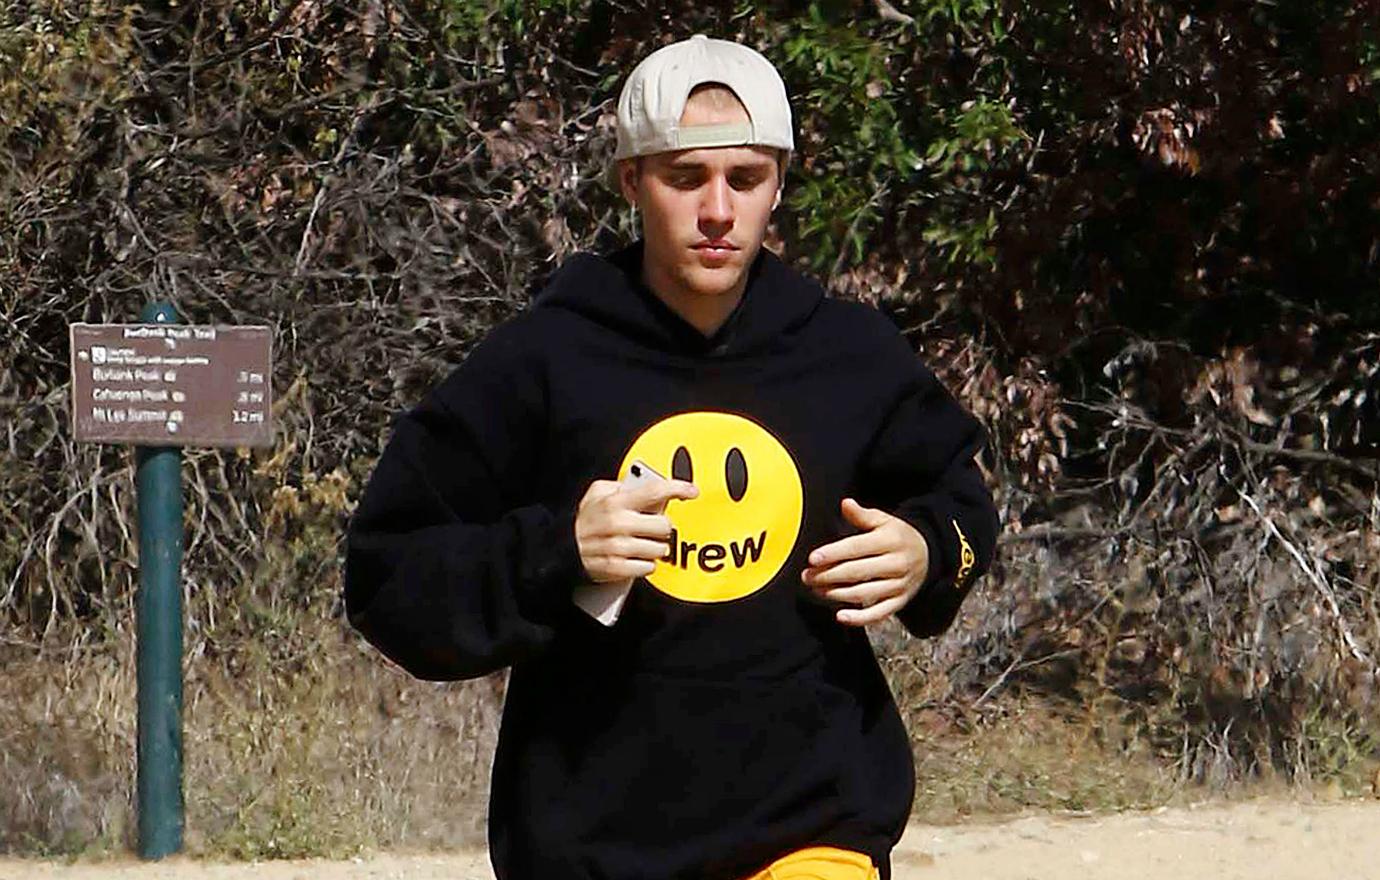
pixel 654 96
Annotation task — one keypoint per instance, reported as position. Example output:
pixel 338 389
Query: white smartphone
pixel 604 602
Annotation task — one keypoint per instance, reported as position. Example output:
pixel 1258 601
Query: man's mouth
pixel 715 247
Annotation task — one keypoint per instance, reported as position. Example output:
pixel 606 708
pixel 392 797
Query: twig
pixel 891 13
pixel 1318 581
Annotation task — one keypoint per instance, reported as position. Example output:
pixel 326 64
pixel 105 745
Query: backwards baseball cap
pixel 654 96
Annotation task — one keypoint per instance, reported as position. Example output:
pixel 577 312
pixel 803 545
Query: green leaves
pixel 837 212
pixel 488 19
pixel 962 240
pixel 885 135
pixel 851 124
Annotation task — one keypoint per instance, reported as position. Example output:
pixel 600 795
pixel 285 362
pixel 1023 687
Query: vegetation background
pixel 1138 239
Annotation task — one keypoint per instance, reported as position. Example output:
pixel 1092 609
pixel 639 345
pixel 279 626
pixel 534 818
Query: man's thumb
pixel 651 494
pixel 674 488
pixel 867 517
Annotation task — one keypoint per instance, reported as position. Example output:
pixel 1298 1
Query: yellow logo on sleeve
pixel 733 538
pixel 966 557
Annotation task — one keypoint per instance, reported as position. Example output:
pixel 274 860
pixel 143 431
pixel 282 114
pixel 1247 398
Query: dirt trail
pixel 1278 839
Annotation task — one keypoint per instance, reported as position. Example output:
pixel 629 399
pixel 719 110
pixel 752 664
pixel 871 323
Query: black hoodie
pixel 727 718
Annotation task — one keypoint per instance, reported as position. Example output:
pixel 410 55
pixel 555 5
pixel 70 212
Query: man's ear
pixel 627 180
pixel 776 202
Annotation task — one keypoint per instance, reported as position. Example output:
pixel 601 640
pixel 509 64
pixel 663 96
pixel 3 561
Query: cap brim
pixel 610 175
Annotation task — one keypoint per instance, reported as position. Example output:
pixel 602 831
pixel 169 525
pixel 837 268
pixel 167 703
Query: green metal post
pixel 159 482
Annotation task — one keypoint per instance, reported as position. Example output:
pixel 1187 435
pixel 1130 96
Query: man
pixel 733 722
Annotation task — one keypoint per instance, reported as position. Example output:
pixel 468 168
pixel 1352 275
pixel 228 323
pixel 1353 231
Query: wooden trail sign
pixel 160 385
pixel 172 384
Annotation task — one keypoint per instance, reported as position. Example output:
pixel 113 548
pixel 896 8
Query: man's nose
pixel 717 206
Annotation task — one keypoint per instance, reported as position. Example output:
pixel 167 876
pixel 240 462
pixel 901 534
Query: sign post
pixel 159 488
pixel 161 385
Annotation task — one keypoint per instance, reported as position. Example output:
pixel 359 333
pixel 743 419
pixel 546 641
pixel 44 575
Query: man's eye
pixel 739 183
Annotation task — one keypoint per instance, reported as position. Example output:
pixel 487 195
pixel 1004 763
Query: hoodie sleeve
pixel 921 467
pixel 451 571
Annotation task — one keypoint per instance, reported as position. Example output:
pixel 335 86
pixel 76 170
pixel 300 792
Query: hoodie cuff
pixel 556 564
pixel 936 569
pixel 924 520
pixel 935 604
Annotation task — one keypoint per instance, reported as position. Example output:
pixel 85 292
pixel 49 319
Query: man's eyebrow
pixel 691 165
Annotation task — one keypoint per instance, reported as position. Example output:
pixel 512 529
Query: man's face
pixel 689 198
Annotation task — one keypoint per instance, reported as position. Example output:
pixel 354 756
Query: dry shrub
pixel 1165 322
pixel 321 749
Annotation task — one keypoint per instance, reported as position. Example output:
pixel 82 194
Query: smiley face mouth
pixel 714 557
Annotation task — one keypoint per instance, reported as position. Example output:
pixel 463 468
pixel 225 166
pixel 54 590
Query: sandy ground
pixel 1273 839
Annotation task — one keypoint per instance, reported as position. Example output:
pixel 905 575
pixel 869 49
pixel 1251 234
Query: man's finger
pixel 849 571
pixel 645 525
pixel 641 548
pixel 602 489
pixel 857 546
pixel 853 571
pixel 871 614
pixel 867 593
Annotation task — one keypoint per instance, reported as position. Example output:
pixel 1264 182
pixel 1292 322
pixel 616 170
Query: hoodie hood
pixel 608 290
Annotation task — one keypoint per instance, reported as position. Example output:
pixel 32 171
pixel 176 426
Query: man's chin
pixel 712 281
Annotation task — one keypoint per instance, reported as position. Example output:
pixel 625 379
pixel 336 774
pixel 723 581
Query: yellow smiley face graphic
pixel 732 539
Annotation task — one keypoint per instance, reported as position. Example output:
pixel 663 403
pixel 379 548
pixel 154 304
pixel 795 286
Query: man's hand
pixel 618 534
pixel 879 569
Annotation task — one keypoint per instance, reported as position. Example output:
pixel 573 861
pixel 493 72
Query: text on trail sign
pixel 172 384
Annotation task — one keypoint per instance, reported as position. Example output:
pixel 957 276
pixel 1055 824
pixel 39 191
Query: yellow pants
pixel 820 863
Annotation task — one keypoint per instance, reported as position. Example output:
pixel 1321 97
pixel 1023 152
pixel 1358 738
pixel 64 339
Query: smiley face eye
pixel 735 474
pixel 681 469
